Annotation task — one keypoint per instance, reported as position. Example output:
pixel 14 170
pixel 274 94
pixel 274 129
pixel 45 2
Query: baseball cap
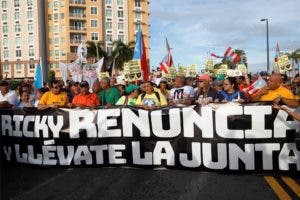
pixel 204 77
pixel 72 83
pixel 131 88
pixel 84 84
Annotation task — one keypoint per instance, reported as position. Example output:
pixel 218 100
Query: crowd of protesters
pixel 155 93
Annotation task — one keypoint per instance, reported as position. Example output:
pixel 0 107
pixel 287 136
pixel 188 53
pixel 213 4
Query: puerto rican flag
pixel 255 86
pixel 167 60
pixel 277 53
pixel 215 55
pixel 231 55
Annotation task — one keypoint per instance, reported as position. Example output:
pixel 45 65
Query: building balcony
pixel 76 42
pixel 78 15
pixel 78 28
pixel 77 3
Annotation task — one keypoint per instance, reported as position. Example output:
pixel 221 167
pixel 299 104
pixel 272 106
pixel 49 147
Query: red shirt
pixel 89 100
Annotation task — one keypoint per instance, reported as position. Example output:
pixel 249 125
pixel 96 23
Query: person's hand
pixel 108 105
pixel 69 105
pixel 276 106
pixel 54 106
pixel 224 101
pixel 263 90
pixel 277 100
pixel 240 100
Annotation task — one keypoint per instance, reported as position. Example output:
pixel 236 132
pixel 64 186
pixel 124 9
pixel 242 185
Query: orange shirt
pixel 86 100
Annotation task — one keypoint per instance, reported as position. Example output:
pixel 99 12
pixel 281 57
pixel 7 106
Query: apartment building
pixel 68 23
pixel 19 38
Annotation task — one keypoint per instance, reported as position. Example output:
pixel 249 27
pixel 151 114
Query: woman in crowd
pixel 204 91
pixel 132 92
pixel 231 92
pixel 164 88
pixel 25 101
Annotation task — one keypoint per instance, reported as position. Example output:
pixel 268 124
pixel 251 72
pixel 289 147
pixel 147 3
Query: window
pixel 18 41
pixel 16 3
pixel 108 25
pixel 120 2
pixel 5 54
pixel 55 16
pixel 109 50
pixel 30 39
pixel 94 10
pixel 94 23
pixel 17 28
pixel 29 3
pixel 18 53
pixel 55 28
pixel 137 3
pixel 120 26
pixel 138 15
pixel 31 66
pixel 63 52
pixel 63 40
pixel 108 13
pixel 50 5
pixel 108 37
pixel 4 4
pixel 107 1
pixel 56 52
pixel 120 13
pixel 50 40
pixel 6 67
pixel 93 0
pixel 49 17
pixel 4 17
pixel 94 36
pixel 31 52
pixel 18 66
pixel 17 15
pixel 62 3
pixel 30 27
pixel 56 40
pixel 62 15
pixel 51 53
pixel 55 4
pixel 5 42
pixel 5 29
pixel 63 28
pixel 121 37
pixel 29 14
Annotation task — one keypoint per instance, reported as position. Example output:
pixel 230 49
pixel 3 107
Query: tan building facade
pixel 68 23
pixel 20 44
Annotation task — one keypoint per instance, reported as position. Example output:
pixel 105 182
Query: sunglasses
pixel 225 84
pixel 56 87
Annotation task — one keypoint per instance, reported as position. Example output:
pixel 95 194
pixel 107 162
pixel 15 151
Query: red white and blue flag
pixel 215 55
pixel 231 55
pixel 167 60
pixel 255 86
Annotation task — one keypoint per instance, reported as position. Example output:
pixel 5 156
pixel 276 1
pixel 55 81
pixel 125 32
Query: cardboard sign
pixel 182 71
pixel 209 64
pixel 234 73
pixel 192 71
pixel 284 63
pixel 242 68
pixel 103 75
pixel 132 70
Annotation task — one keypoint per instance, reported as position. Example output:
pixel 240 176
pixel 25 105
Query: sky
pixel 196 27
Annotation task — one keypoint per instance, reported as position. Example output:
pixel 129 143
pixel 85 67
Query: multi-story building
pixel 20 44
pixel 70 22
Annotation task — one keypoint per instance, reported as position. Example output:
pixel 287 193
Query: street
pixel 28 182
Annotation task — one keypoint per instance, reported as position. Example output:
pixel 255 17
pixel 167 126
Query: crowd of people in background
pixel 156 93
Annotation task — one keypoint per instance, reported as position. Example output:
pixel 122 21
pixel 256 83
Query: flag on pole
pixel 167 60
pixel 140 54
pixel 277 53
pixel 255 86
pixel 38 76
pixel 215 55
pixel 231 55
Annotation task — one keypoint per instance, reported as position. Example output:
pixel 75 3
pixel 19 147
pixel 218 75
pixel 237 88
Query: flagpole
pixel 42 41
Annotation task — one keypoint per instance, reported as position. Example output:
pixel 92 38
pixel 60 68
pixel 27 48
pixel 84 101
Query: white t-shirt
pixel 182 92
pixel 11 97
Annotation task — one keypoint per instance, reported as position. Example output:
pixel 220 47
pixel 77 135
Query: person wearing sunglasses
pixel 55 98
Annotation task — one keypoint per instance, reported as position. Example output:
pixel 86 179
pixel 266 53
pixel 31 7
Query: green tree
pixel 96 49
pixel 51 75
pixel 122 53
pixel 294 57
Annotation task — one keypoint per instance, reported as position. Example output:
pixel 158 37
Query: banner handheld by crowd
pixel 226 138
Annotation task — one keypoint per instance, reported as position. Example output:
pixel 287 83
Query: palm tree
pixel 96 50
pixel 294 57
pixel 122 53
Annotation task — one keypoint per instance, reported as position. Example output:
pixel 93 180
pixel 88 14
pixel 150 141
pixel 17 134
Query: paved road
pixel 26 182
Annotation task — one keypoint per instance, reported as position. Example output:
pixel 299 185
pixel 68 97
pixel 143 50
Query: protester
pixel 231 92
pixel 108 96
pixel 96 88
pixel 218 85
pixel 204 91
pixel 112 81
pixel 39 94
pixel 121 87
pixel 25 101
pixel 73 90
pixel 151 99
pixel 85 99
pixel 54 98
pixel 294 114
pixel 164 87
pixel 273 90
pixel 132 92
pixel 180 93
pixel 8 98
pixel 243 81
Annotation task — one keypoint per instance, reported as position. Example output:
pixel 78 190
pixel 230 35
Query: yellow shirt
pixel 279 92
pixel 49 98
pixel 151 100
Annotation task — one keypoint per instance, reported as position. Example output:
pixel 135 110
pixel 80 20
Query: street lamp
pixel 267 24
